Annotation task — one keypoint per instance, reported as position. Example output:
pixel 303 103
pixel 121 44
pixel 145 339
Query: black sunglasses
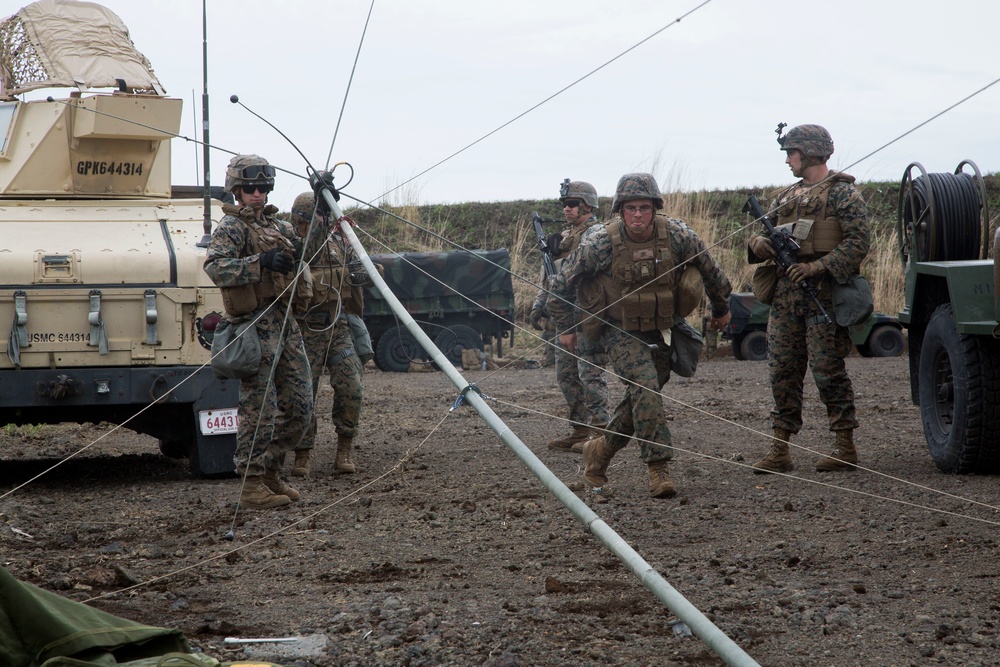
pixel 256 171
pixel 571 203
pixel 250 188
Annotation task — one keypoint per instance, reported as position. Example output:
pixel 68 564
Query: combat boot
pixel 843 457
pixel 276 485
pixel 301 466
pixel 596 457
pixel 579 434
pixel 778 459
pixel 596 430
pixel 660 485
pixel 256 496
pixel 344 464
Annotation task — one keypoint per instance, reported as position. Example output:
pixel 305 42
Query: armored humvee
pixel 111 314
pixel 952 314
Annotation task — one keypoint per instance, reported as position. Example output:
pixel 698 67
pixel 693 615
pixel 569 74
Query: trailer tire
pixel 738 348
pixel 452 340
pixel 883 341
pixel 396 349
pixel 753 347
pixel 959 388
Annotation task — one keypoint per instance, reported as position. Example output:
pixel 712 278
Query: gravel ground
pixel 445 550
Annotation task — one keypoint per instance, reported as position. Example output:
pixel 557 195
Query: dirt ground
pixel 445 550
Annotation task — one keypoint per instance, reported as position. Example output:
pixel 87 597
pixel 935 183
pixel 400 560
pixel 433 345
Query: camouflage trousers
pixel 640 412
pixel 796 341
pixel 274 408
pixel 582 381
pixel 333 348
pixel 548 350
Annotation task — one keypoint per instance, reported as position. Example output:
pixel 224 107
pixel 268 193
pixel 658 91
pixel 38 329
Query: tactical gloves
pixel 799 272
pixel 323 180
pixel 277 261
pixel 535 318
pixel 761 247
pixel 554 241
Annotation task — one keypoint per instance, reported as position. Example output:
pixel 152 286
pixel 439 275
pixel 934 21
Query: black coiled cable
pixel 952 225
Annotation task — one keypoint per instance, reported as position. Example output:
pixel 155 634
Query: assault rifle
pixel 786 250
pixel 543 245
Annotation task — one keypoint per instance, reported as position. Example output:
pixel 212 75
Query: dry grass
pixel 728 247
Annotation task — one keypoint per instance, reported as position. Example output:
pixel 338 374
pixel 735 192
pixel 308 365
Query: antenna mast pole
pixel 206 239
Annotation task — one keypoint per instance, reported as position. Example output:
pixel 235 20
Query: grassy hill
pixel 716 215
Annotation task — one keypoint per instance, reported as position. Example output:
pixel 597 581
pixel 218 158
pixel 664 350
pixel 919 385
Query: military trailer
pixel 952 314
pixel 461 300
pixel 111 314
pixel 880 335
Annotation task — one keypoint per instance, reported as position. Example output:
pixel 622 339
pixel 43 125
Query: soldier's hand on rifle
pixel 535 318
pixel 761 247
pixel 554 241
pixel 277 261
pixel 799 272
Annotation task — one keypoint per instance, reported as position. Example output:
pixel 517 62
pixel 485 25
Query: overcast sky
pixel 697 104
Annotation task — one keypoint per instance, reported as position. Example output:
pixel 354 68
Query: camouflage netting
pixel 64 43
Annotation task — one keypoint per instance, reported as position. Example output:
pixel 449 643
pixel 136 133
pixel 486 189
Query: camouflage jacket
pixel 230 260
pixel 845 205
pixel 571 238
pixel 594 256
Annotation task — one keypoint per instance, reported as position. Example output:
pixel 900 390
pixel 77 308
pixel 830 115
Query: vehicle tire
pixel 452 340
pixel 884 341
pixel 959 389
pixel 175 449
pixel 753 347
pixel 396 349
pixel 738 348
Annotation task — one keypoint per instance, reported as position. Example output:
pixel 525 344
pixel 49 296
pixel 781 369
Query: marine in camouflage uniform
pixel 252 257
pixel 656 261
pixel 579 375
pixel 327 332
pixel 831 219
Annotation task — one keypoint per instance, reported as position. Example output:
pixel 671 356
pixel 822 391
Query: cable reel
pixel 942 216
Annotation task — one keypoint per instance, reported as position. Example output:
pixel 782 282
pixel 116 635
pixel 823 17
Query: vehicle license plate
pixel 217 422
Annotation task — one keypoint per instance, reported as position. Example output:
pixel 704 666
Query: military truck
pixel 461 300
pixel 880 335
pixel 111 314
pixel 952 314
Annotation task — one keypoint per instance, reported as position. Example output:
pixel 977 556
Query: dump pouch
pixel 235 350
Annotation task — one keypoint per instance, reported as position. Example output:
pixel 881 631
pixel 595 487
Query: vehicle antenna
pixel 207 238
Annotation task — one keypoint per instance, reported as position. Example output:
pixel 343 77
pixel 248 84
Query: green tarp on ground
pixel 39 628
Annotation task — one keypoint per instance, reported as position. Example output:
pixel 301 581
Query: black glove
pixel 277 261
pixel 535 318
pixel 554 241
pixel 323 180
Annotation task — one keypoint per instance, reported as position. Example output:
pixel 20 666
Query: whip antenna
pixel 207 238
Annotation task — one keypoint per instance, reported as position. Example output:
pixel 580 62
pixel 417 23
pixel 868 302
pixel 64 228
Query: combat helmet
pixel 810 140
pixel 636 186
pixel 249 170
pixel 578 190
pixel 303 208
